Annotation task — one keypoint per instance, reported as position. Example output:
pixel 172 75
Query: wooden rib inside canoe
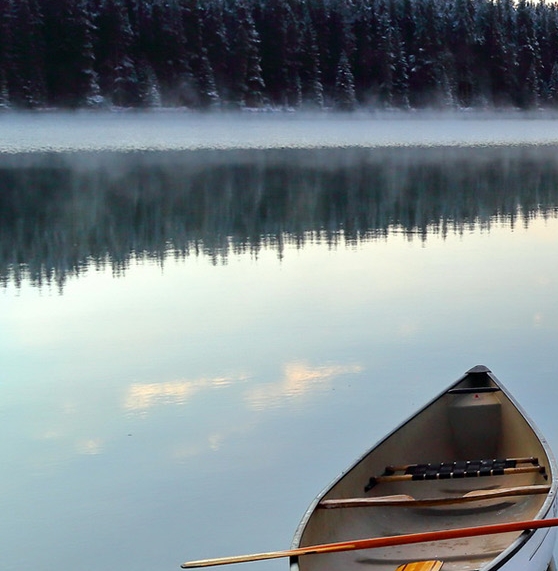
pixel 474 418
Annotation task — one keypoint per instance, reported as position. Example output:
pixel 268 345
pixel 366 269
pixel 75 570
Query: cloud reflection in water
pixel 143 396
pixel 299 380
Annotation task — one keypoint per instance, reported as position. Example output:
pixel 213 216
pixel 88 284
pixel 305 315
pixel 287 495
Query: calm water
pixel 201 327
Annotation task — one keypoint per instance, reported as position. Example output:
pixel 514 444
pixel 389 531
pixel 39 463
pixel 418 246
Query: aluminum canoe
pixel 470 457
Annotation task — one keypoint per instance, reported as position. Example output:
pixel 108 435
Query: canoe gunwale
pixel 549 505
pixel 547 509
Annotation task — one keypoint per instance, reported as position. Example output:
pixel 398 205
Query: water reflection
pixel 143 396
pixel 196 411
pixel 62 214
pixel 299 379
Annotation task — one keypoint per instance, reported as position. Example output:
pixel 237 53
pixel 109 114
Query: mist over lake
pixel 180 129
pixel 205 318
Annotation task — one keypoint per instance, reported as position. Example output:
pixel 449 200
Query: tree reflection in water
pixel 61 214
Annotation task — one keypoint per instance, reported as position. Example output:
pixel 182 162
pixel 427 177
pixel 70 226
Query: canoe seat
pixel 433 565
pixel 457 469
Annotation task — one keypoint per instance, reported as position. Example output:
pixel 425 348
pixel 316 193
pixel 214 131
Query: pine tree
pixel 320 18
pixel 245 65
pixel 149 87
pixel 216 44
pixel 528 57
pixel 394 87
pixel 4 53
pixel 310 71
pixel 552 86
pixel 149 90
pixel 280 34
pixel 118 77
pixel 196 54
pixel 546 28
pixel 25 64
pixel 367 55
pixel 462 43
pixel 345 97
pixel 163 42
pixel 494 54
pixel 70 59
pixel 430 63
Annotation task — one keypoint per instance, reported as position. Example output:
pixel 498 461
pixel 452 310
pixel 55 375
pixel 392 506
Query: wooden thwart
pixel 376 542
pixel 433 565
pixel 405 500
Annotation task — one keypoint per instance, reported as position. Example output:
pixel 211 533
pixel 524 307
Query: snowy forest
pixel 277 54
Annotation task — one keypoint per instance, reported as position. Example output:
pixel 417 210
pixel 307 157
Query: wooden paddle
pixel 405 500
pixel 431 565
pixel 376 542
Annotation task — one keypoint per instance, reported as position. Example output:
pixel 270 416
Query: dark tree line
pixel 280 53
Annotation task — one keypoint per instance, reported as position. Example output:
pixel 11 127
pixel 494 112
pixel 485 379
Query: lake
pixel 204 319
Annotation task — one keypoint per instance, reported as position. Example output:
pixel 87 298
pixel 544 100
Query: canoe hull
pixel 474 419
pixel 535 555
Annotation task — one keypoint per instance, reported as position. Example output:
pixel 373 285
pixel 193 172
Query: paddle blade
pixel 433 565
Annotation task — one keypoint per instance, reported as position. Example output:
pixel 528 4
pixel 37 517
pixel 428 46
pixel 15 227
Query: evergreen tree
pixel 552 86
pixel 345 97
pixel 280 34
pixel 546 28
pixel 216 44
pixel 462 45
pixel 310 70
pixel 496 54
pixel 528 57
pixel 367 55
pixel 394 86
pixel 164 46
pixel 149 91
pixel 25 65
pixel 118 77
pixel 70 59
pixel 431 63
pixel 320 18
pixel 245 65
pixel 196 54
pixel 4 53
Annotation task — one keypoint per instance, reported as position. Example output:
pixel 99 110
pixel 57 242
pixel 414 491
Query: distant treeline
pixel 278 53
pixel 62 214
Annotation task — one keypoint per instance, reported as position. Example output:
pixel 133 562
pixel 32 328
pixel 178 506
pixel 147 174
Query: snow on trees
pixel 283 53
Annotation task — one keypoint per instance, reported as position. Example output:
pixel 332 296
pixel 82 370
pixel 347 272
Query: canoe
pixel 471 457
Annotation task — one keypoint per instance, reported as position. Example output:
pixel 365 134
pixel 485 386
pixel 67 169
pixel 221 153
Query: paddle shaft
pixel 376 542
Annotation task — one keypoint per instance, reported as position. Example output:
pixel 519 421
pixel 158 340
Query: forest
pixel 278 54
